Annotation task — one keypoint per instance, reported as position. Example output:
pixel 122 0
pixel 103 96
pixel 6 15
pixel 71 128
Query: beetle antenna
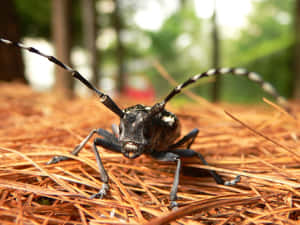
pixel 267 87
pixel 105 99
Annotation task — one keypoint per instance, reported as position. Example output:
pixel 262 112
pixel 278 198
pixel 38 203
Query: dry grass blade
pixel 34 127
pixel 294 153
pixel 280 109
pixel 63 184
pixel 33 189
pixel 203 205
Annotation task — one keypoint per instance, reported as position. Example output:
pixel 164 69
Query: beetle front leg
pixel 115 130
pixel 108 136
pixel 173 193
pixel 171 157
pixel 109 142
pixel 76 150
pixel 103 174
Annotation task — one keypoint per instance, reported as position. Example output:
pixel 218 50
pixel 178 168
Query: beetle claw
pixel 102 192
pixel 57 159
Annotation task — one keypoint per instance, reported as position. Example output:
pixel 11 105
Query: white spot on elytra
pixel 169 120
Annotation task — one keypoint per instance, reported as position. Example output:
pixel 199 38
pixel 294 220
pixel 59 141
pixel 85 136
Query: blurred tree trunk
pixel 11 61
pixel 182 3
pixel 61 33
pixel 120 51
pixel 216 55
pixel 90 37
pixel 296 82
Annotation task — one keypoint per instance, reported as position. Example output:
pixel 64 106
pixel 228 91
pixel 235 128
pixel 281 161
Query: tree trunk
pixel 182 4
pixel 296 82
pixel 61 32
pixel 90 36
pixel 11 61
pixel 216 55
pixel 120 52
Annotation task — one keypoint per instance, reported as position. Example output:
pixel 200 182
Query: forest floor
pixel 261 143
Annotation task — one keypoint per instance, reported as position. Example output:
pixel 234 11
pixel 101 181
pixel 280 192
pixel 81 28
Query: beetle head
pixel 133 131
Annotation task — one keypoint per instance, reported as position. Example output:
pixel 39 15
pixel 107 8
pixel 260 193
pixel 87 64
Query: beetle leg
pixel 189 138
pixel 171 157
pixel 214 174
pixel 109 142
pixel 108 136
pixel 115 129
pixel 103 174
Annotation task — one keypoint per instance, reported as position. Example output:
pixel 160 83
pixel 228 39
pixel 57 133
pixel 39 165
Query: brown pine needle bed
pixel 261 143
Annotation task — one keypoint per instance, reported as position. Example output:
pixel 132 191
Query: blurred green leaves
pixel 183 44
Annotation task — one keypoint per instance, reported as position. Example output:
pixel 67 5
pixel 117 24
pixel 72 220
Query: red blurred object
pixel 139 88
pixel 147 94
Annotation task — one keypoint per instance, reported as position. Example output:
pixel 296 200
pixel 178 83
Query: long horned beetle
pixel 150 130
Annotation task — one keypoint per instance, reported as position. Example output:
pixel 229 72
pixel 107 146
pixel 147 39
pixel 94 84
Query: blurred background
pixel 123 46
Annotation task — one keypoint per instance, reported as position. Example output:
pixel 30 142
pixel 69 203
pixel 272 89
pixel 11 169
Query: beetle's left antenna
pixel 105 99
pixel 267 87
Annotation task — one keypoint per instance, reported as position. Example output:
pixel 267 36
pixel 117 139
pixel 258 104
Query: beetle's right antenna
pixel 105 99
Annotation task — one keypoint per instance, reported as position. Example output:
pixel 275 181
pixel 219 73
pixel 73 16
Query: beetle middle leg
pixel 190 138
pixel 214 174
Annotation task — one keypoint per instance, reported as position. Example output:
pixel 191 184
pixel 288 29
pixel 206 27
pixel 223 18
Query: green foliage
pixel 264 46
pixel 34 17
pixel 174 44
pixel 183 44
pixel 271 19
